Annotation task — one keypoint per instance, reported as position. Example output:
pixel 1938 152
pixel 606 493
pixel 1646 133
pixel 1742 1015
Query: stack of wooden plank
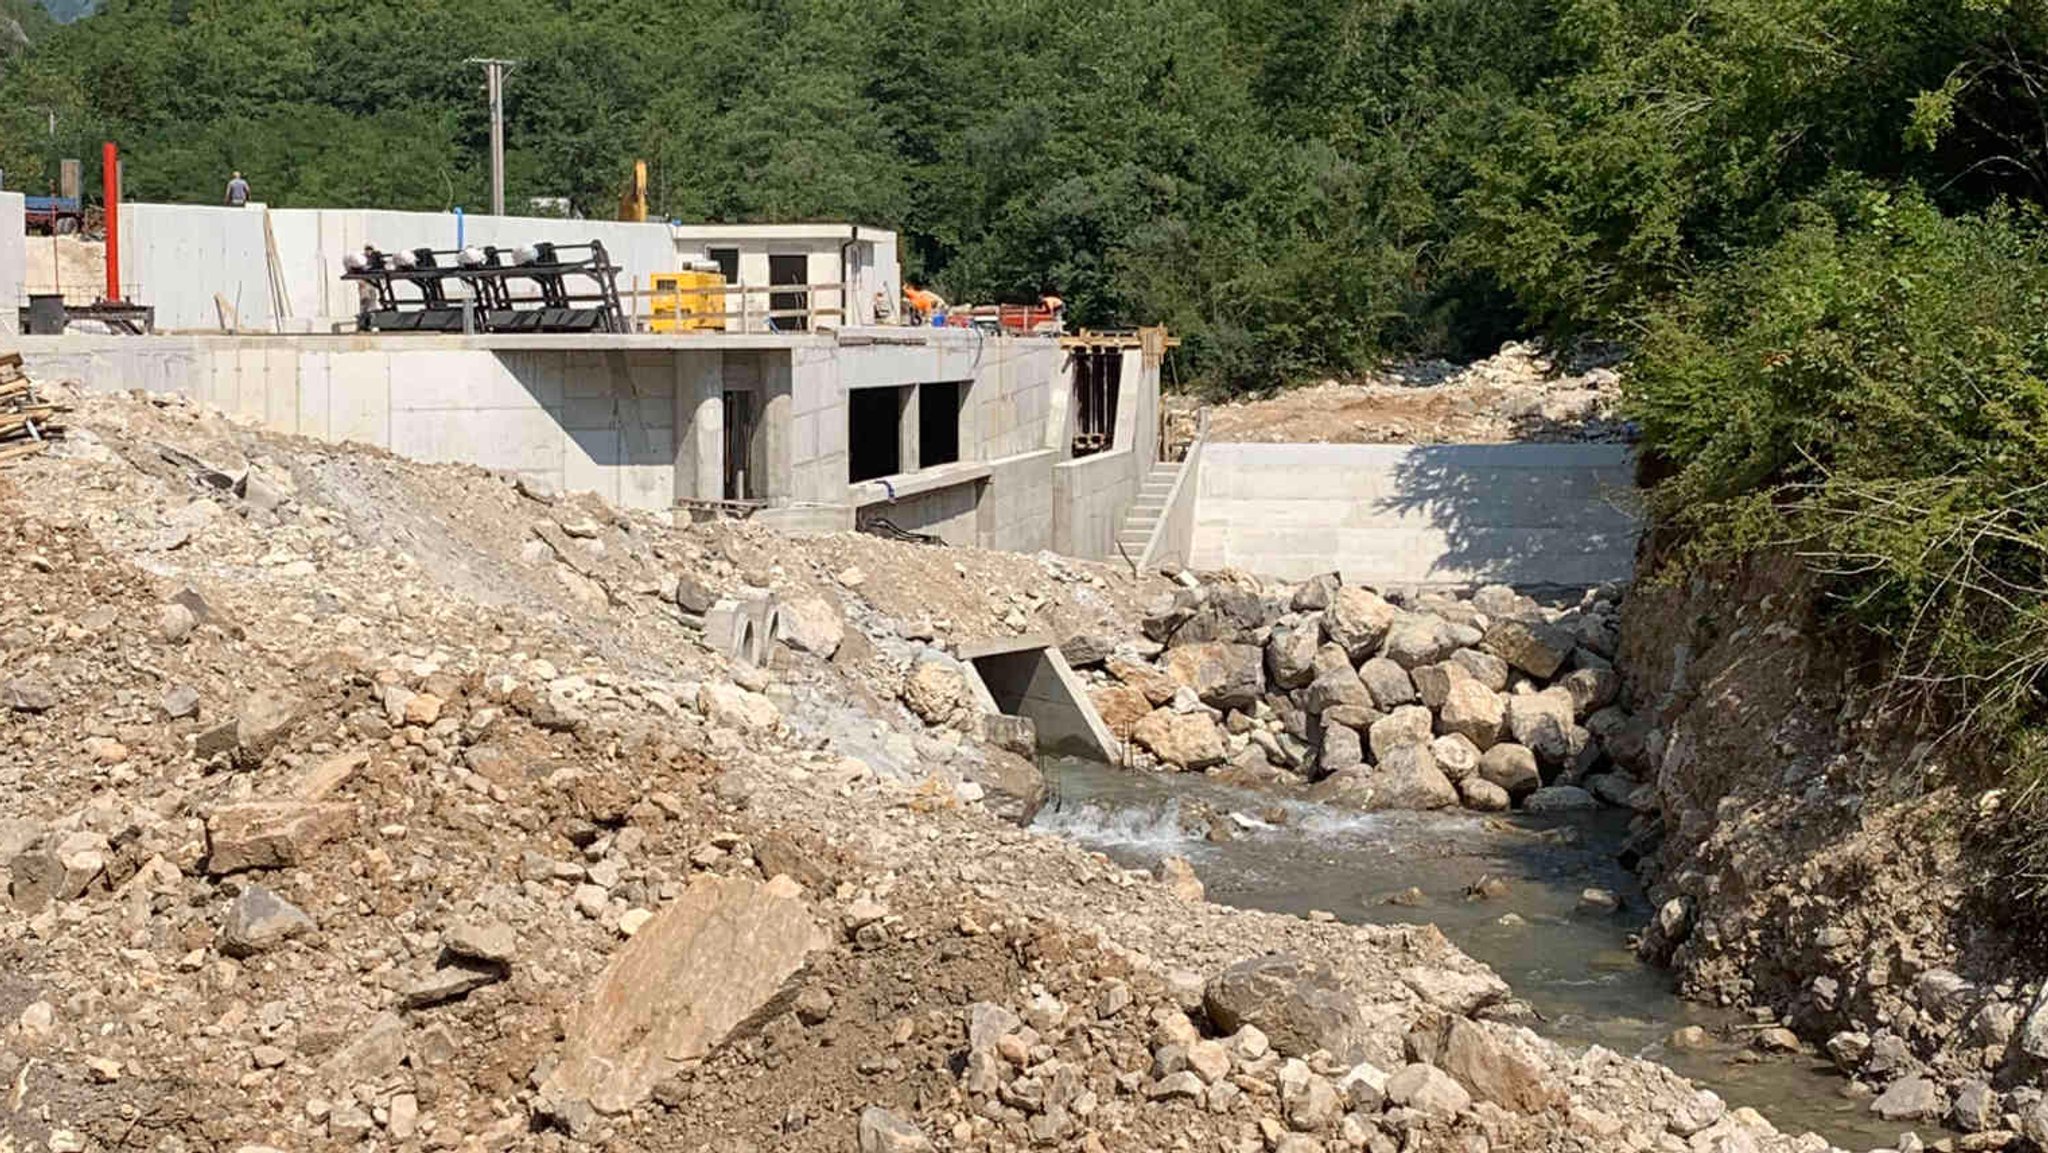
pixel 27 422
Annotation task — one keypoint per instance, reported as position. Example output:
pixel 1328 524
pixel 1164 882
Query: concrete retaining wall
pixel 1173 539
pixel 312 241
pixel 176 257
pixel 601 421
pixel 13 261
pixel 1445 515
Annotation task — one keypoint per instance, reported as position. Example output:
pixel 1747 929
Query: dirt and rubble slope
pixel 1521 393
pixel 355 801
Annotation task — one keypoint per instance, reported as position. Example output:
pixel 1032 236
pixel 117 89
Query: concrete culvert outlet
pixel 1027 677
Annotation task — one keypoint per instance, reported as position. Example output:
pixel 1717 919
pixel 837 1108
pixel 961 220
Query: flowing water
pixel 1574 967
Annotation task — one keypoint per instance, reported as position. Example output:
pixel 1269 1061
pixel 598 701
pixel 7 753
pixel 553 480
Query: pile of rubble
pixel 1521 393
pixel 1399 702
pixel 357 802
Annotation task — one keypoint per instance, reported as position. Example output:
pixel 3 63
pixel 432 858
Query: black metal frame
pixel 490 300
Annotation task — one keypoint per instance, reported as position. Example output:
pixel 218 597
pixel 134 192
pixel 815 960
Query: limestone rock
pixel 1487 669
pixel 1298 1006
pixel 736 708
pixel 259 920
pixel 1357 620
pixel 1429 1089
pixel 487 942
pixel 1156 685
pixel 935 687
pixel 261 722
pixel 1338 688
pixel 708 963
pixel 1472 711
pixel 1224 676
pixel 1532 646
pixel 2033 1035
pixel 1121 707
pixel 61 868
pixel 1511 766
pixel 812 625
pixel 1406 727
pixel 1592 689
pixel 1186 740
pixel 28 695
pixel 1340 749
pixel 1482 796
pixel 881 1131
pixel 1291 654
pixel 1491 1069
pixel 1433 682
pixel 1455 755
pixel 1418 639
pixel 1913 1098
pixel 1543 723
pixel 1388 683
pixel 272 834
pixel 1316 593
pixel 1407 779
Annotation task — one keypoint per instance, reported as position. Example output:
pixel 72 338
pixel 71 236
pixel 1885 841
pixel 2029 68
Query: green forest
pixel 1815 223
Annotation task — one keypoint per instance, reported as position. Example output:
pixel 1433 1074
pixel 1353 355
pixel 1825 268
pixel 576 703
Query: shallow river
pixel 1574 967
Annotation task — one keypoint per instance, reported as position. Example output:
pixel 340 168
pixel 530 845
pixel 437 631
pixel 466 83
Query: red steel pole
pixel 110 176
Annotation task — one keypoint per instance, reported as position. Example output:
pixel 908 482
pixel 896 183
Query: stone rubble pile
pixel 1427 701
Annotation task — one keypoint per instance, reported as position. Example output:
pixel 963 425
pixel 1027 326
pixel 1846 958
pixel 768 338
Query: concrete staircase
pixel 1149 507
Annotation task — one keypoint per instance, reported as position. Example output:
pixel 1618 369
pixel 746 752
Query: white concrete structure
pixel 1418 515
pixel 782 421
pixel 178 257
pixel 13 261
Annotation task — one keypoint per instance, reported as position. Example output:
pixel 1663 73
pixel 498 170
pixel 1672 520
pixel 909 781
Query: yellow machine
pixel 690 301
pixel 633 201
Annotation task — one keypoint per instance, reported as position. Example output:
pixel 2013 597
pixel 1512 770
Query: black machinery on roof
pixel 488 276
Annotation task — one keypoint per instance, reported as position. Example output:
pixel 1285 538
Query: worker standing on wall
pixel 922 306
pixel 238 191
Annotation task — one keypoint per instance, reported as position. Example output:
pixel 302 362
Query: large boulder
pixel 1121 707
pixel 1427 1089
pixel 1455 755
pixel 1340 749
pixel 1224 676
pixel 1560 799
pixel 1155 684
pixel 1407 779
pixel 1487 1064
pixel 1433 682
pixel 812 625
pixel 1299 1006
pixel 1358 620
pixel 1184 740
pixel 1419 639
pixel 1487 669
pixel 935 687
pixel 1511 766
pixel 1409 726
pixel 1316 593
pixel 1532 646
pixel 1473 711
pixel 1388 683
pixel 709 964
pixel 1592 688
pixel 1291 654
pixel 1340 686
pixel 1543 722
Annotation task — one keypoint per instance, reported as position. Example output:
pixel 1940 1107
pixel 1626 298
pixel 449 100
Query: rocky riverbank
pixel 359 803
pixel 1823 862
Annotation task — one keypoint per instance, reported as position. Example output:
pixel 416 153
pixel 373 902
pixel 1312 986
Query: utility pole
pixel 494 84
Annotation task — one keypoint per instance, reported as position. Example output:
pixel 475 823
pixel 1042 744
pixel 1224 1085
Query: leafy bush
pixel 1871 391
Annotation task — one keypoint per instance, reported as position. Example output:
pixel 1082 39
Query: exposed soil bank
pixel 1820 860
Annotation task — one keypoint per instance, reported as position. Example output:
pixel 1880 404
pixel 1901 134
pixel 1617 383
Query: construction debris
pixel 26 421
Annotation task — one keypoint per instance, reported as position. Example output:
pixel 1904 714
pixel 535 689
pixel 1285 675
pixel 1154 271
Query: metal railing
pixel 667 305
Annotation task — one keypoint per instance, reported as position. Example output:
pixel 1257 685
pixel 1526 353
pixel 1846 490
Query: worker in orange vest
pixel 922 305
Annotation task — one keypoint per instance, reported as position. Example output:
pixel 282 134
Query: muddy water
pixel 1574 967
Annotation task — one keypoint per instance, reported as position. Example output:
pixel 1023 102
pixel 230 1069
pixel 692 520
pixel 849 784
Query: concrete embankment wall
pixel 1421 515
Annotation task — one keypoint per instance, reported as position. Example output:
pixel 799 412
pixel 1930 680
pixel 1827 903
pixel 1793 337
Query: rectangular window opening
pixel 728 261
pixel 938 422
pixel 789 311
pixel 873 433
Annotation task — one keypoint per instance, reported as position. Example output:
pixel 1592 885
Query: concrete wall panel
pixel 1391 515
pixel 13 261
